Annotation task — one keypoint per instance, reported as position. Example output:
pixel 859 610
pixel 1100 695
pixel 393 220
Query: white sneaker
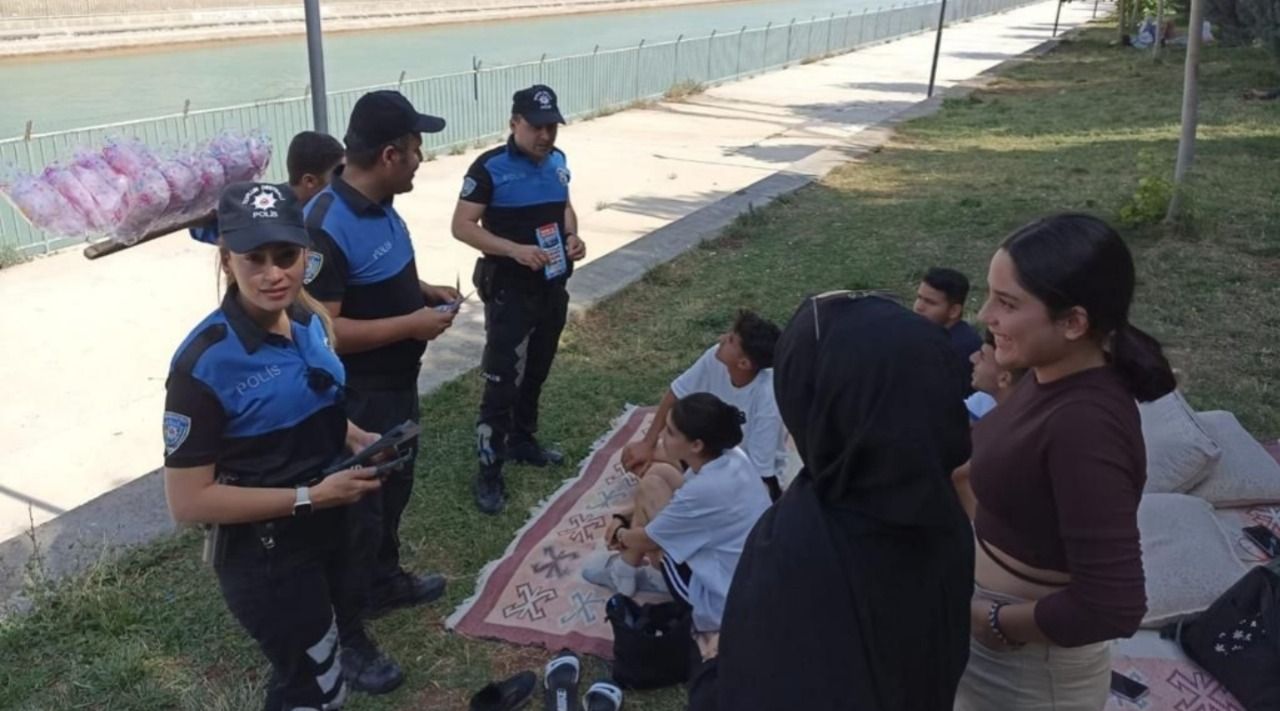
pixel 601 569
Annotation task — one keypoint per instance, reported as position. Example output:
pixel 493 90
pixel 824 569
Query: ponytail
pixel 703 416
pixel 1140 360
pixel 308 302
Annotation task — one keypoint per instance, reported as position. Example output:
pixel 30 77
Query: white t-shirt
pixel 705 525
pixel 763 436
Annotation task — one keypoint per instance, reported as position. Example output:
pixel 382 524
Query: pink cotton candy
pixel 148 200
pixel 259 152
pixel 45 208
pixel 128 158
pixel 232 152
pixel 65 182
pixel 211 178
pixel 184 184
pixel 107 187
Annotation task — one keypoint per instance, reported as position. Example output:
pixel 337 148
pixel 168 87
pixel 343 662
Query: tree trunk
pixel 1121 12
pixel 1155 48
pixel 1190 105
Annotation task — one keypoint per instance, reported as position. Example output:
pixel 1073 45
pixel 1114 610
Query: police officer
pixel 364 272
pixel 515 208
pixel 253 414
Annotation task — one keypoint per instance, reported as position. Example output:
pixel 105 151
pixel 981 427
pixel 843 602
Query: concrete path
pixel 87 344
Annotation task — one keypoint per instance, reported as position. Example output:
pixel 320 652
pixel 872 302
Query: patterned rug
pixel 535 594
pixel 1175 682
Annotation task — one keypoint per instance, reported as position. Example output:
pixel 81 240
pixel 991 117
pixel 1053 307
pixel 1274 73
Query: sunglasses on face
pixel 283 257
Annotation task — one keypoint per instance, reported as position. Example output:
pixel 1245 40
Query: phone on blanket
pixel 1129 689
pixel 1265 539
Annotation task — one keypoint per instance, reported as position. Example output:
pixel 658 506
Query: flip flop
pixel 603 696
pixel 560 682
pixel 508 695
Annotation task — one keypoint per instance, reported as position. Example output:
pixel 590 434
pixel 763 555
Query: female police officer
pixel 253 414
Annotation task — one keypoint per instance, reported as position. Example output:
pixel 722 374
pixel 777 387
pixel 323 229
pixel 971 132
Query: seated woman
pixel 695 528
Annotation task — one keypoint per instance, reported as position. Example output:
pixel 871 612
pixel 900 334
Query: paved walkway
pixel 87 344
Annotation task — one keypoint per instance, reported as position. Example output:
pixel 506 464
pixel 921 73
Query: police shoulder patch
pixel 315 260
pixel 468 186
pixel 176 429
pixel 563 174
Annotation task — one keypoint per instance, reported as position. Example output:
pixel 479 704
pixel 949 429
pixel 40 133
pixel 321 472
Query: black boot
pixel 367 669
pixel 489 489
pixel 526 450
pixel 405 589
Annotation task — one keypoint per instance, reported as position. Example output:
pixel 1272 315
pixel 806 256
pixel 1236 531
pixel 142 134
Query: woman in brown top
pixel 1058 470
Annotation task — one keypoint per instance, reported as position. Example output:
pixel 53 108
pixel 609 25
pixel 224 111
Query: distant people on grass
pixel 941 298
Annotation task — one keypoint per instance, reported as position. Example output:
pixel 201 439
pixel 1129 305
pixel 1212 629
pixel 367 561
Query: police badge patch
pixel 315 260
pixel 468 186
pixel 563 175
pixel 176 429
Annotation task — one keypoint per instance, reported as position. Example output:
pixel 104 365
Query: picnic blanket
pixel 535 594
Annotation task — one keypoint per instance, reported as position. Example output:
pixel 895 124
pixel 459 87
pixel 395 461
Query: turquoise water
pixel 74 91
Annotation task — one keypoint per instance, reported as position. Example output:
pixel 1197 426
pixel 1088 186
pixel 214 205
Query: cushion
pixel 1179 452
pixel 1246 474
pixel 1188 558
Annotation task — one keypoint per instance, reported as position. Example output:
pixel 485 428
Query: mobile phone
pixel 389 442
pixel 1265 539
pixel 454 305
pixel 1130 689
pixel 382 469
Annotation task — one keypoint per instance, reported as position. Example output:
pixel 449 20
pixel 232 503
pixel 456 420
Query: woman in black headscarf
pixel 853 592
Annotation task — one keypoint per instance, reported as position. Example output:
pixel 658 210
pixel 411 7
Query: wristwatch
pixel 302 501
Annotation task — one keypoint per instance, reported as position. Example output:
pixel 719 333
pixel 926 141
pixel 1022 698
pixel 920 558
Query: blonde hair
pixel 305 299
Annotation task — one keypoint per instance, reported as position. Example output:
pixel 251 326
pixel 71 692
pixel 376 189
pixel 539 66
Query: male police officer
pixel 363 271
pixel 515 209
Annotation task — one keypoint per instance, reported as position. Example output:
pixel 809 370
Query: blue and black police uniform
pixel 364 259
pixel 267 411
pixel 525 201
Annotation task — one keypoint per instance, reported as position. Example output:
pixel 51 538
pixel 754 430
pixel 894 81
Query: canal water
pixel 74 91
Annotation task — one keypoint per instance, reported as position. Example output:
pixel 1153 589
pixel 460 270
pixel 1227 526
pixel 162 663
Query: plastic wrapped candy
pixel 107 187
pixel 128 190
pixel 65 182
pixel 129 158
pixel 184 184
pixel 148 199
pixel 213 178
pixel 45 207
pixel 232 152
pixel 260 151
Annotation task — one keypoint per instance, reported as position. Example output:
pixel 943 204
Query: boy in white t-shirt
pixel 739 371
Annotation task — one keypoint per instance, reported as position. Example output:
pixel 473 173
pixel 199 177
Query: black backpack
pixel 1237 639
pixel 652 644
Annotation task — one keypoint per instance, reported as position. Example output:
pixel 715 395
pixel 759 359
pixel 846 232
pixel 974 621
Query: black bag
pixel 1237 639
pixel 652 644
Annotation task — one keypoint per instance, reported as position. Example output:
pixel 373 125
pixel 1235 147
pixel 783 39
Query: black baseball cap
pixel 381 117
pixel 537 105
pixel 252 215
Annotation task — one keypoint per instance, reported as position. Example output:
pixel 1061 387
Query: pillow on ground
pixel 1246 474
pixel 1188 559
pixel 1179 452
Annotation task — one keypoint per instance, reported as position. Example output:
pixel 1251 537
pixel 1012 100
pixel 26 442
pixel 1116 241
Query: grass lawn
pixel 1062 132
